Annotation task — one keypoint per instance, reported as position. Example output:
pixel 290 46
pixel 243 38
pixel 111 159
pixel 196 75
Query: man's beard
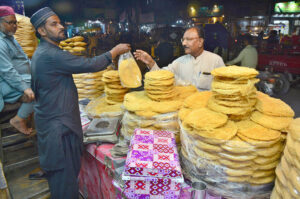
pixel 2 29
pixel 56 39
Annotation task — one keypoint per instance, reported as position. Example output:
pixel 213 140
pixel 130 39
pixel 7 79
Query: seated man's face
pixel 191 42
pixel 8 25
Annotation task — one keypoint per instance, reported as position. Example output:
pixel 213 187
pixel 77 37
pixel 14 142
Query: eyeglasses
pixel 11 22
pixel 189 38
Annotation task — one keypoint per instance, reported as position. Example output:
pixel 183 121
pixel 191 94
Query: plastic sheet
pixel 230 168
pixel 129 71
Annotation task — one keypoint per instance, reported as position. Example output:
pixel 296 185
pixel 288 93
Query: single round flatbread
pixel 234 164
pixel 256 132
pixel 263 180
pixel 235 72
pixel 237 146
pixel 197 100
pixel 239 172
pixel 159 75
pixel 272 106
pixel 258 143
pixel 208 147
pixel 216 135
pixel 267 160
pixel 272 122
pixel 205 119
pixel 228 110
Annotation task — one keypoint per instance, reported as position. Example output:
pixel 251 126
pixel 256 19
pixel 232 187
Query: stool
pixel 16 149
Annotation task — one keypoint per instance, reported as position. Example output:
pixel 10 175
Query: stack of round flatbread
pixel 25 35
pixel 143 112
pixel 74 45
pixel 159 85
pixel 89 85
pixel 233 151
pixel 113 89
pixel 234 92
pixel 287 183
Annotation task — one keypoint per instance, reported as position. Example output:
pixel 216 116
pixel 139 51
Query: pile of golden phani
pixel 25 35
pixel 159 85
pixel 130 73
pixel 114 91
pixel 233 90
pixel 74 45
pixel 226 134
pixel 144 112
pixel 287 183
pixel 89 85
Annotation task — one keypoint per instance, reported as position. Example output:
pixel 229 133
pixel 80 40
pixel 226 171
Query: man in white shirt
pixel 194 67
pixel 248 56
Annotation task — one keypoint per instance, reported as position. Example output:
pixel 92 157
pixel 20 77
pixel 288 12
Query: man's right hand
pixel 144 57
pixel 119 49
pixel 29 94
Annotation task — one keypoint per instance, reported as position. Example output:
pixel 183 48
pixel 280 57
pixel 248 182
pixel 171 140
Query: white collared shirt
pixel 189 70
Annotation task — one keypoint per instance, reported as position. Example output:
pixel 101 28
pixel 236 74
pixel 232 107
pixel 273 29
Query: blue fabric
pixel 11 95
pixel 14 68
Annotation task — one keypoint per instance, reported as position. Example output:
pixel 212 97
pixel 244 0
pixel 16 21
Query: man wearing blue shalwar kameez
pixel 56 110
pixel 14 71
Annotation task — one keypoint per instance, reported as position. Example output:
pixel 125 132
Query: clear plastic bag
pixel 129 71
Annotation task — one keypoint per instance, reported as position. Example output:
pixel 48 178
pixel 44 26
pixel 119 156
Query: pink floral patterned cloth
pixel 152 168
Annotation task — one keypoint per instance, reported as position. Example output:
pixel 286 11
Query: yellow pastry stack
pixel 159 85
pixel 74 45
pixel 233 150
pixel 113 89
pixel 143 112
pixel 25 35
pixel 233 90
pixel 287 183
pixel 89 85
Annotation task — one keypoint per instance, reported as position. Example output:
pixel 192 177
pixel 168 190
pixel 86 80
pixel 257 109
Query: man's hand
pixel 29 94
pixel 119 49
pixel 144 57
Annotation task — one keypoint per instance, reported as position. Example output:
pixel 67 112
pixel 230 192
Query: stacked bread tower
pixel 113 89
pixel 74 45
pixel 89 85
pixel 25 35
pixel 287 183
pixel 155 108
pixel 159 85
pixel 226 135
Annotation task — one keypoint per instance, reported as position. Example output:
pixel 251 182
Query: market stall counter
pixel 98 169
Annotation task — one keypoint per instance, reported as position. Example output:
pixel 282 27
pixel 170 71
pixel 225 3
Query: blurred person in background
pixel 248 56
pixel 14 71
pixel 164 51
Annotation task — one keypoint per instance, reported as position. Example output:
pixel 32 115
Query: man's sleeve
pixel 237 59
pixel 220 62
pixel 72 64
pixel 8 72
